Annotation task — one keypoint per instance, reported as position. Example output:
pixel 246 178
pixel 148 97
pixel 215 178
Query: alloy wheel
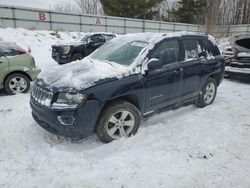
pixel 120 124
pixel 18 84
pixel 209 93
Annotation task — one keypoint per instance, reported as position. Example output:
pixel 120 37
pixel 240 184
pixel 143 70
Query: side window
pixel 108 37
pixel 97 39
pixel 192 48
pixel 10 52
pixel 210 48
pixel 168 52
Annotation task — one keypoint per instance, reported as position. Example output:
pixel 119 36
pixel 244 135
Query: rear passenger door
pixel 163 85
pixel 192 67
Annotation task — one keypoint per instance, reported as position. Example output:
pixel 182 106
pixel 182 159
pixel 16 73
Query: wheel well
pixel 19 72
pixel 80 53
pixel 216 77
pixel 128 98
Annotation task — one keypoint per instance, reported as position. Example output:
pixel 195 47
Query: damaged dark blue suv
pixel 126 79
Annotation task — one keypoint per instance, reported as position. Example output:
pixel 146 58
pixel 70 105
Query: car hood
pixel 83 74
pixel 70 44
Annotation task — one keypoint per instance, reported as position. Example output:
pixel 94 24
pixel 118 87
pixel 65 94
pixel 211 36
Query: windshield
pixel 123 53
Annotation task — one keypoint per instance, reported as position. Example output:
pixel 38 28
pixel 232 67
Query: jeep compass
pixel 126 79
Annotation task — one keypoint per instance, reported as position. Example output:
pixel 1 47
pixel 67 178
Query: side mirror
pixel 154 64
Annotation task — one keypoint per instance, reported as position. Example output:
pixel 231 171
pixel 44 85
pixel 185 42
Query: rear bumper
pixel 85 119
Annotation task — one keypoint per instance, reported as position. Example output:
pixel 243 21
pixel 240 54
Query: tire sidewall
pixel 101 128
pixel 201 101
pixel 11 76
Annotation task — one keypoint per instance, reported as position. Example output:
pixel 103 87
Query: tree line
pixel 204 12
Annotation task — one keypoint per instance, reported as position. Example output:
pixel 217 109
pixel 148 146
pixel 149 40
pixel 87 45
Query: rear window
pixel 210 47
pixel 108 37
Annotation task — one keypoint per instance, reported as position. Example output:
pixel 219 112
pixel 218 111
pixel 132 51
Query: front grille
pixel 41 96
pixel 55 49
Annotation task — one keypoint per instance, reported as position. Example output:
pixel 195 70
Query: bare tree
pixel 90 6
pixel 66 7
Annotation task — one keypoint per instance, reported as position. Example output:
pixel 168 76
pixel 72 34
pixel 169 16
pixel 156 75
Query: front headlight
pixel 66 49
pixel 69 100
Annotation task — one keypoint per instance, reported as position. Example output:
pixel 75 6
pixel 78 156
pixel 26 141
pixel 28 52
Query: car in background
pixel 65 53
pixel 227 52
pixel 17 68
pixel 129 77
pixel 238 65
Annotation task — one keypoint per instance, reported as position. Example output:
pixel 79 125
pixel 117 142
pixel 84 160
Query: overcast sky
pixel 45 4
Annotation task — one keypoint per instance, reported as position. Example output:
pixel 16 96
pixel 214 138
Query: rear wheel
pixel 16 83
pixel 208 93
pixel 119 119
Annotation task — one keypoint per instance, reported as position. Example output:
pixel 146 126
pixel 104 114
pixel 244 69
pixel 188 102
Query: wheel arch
pixel 216 76
pixel 78 51
pixel 131 98
pixel 17 72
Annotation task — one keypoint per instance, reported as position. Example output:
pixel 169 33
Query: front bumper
pixel 61 59
pixel 235 72
pixel 33 73
pixel 85 118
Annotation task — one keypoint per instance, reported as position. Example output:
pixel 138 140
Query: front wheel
pixel 119 119
pixel 17 83
pixel 208 93
pixel 76 57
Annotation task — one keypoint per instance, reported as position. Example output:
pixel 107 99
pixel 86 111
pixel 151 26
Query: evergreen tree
pixel 190 11
pixel 144 9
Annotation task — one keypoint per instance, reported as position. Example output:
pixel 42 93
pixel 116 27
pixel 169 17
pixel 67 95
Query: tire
pixel 119 119
pixel 76 57
pixel 16 83
pixel 208 93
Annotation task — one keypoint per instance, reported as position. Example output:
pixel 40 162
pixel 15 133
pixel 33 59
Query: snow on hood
pixel 82 74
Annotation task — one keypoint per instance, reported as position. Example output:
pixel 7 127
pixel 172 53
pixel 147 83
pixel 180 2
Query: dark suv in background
pixel 127 78
pixel 65 53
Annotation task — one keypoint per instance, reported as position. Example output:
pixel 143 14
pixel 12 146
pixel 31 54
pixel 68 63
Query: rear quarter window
pixel 210 47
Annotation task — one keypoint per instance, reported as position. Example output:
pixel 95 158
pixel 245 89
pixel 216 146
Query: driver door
pixel 163 85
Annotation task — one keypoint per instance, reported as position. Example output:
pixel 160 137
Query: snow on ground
pixel 187 147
